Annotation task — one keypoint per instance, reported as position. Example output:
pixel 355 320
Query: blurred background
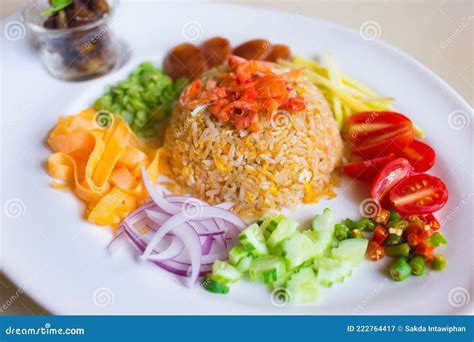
pixel 438 33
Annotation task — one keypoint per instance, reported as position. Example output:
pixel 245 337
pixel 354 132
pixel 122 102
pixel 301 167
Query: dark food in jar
pixel 83 50
pixel 78 13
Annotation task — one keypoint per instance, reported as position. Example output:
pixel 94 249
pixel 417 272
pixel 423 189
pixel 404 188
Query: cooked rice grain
pixel 290 160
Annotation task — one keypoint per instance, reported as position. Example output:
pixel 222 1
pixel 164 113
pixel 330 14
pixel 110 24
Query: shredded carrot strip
pixel 102 165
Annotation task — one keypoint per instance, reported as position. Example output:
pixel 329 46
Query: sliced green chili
pixel 417 264
pixel 400 269
pixel 439 262
pixel 402 250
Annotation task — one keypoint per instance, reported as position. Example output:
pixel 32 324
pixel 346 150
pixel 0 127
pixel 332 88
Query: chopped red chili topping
pixel 245 94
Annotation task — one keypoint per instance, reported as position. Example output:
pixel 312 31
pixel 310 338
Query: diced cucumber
pixel 236 254
pixel 269 269
pixel 320 247
pixel 240 258
pixel 303 286
pixel 324 222
pixel 214 286
pixel 252 240
pixel 224 272
pixel 333 270
pixel 351 249
pixel 323 227
pixel 285 229
pixel 277 251
pixel 298 249
pixel 269 222
pixel 316 264
pixel 244 264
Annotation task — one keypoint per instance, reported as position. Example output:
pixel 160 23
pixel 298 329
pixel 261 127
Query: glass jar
pixel 72 54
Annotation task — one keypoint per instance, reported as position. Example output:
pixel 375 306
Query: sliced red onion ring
pixel 185 235
pixel 182 217
pixel 173 250
pixel 188 237
pixel 172 266
pixel 114 245
pixel 159 201
pixel 206 245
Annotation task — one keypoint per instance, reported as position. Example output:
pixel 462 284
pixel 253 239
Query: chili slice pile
pixel 244 94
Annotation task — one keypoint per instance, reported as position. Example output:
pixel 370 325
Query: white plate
pixel 62 261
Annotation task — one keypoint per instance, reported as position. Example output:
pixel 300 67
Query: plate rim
pixel 16 278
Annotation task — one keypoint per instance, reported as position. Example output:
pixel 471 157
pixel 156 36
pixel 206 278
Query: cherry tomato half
pixel 420 155
pixel 389 176
pixel 366 170
pixel 419 194
pixel 374 134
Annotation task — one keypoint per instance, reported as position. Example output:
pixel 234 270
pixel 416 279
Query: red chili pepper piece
pixel 380 234
pixel 374 251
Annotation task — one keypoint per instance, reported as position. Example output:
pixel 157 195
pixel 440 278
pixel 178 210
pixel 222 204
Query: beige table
pixel 439 33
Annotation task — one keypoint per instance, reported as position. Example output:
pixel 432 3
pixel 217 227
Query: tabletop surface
pixel 438 33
